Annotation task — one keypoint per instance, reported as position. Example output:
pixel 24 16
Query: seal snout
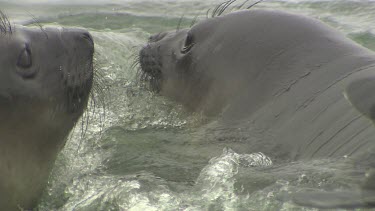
pixel 78 37
pixel 77 74
pixel 150 67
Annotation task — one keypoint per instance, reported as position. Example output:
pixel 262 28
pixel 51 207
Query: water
pixel 142 151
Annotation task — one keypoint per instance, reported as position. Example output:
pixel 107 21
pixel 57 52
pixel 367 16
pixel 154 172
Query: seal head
pixel 45 80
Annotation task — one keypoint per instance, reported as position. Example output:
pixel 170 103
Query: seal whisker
pixel 179 23
pixel 135 64
pixel 133 57
pixel 217 8
pixel 136 47
pixel 208 13
pixel 194 21
pixel 5 25
pixel 134 54
pixel 224 8
pixel 84 124
pixel 242 5
pixel 97 92
pixel 97 100
pixel 252 5
pixel 37 22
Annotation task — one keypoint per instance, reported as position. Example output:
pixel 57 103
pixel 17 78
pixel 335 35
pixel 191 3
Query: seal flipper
pixel 361 93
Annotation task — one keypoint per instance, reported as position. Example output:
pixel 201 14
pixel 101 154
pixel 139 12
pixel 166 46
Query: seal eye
pixel 189 43
pixel 24 59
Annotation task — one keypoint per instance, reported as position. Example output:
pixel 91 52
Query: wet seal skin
pixel 45 79
pixel 306 87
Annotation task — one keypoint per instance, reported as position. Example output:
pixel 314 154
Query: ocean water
pixel 136 150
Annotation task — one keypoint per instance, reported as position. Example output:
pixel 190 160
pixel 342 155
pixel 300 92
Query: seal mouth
pixel 151 69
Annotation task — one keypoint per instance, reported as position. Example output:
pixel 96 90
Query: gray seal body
pixel 300 87
pixel 282 73
pixel 45 80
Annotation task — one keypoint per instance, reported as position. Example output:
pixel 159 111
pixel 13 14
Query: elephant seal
pixel 301 84
pixel 45 80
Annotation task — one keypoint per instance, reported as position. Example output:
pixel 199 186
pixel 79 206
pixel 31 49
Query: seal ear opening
pixel 361 93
